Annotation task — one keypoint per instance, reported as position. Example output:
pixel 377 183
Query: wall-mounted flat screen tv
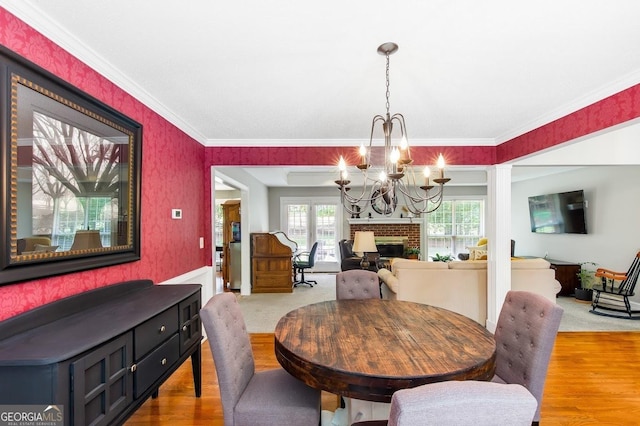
pixel 561 213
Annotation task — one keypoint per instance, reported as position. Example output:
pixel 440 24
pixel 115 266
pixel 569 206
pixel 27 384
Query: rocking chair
pixel 610 297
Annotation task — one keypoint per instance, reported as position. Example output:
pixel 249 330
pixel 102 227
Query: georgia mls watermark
pixel 31 415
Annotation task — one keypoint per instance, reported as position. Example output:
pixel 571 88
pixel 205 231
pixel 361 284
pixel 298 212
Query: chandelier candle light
pixel 396 176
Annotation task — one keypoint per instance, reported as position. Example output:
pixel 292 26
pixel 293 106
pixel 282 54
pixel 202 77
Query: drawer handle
pixel 164 361
pixel 133 368
pixel 162 329
pixel 185 328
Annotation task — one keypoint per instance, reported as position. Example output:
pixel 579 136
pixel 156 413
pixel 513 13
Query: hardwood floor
pixel 593 379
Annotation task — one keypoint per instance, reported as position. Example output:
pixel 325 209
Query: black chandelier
pixel 383 183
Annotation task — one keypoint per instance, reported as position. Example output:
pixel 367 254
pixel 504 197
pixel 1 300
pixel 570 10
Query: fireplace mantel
pixel 385 221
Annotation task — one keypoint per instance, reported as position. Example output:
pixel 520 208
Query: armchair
pixel 349 260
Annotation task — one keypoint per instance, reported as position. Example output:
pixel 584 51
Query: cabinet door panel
pixel 102 386
pixel 190 328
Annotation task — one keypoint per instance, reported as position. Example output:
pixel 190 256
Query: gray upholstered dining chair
pixel 525 334
pixel 252 398
pixel 460 403
pixel 357 284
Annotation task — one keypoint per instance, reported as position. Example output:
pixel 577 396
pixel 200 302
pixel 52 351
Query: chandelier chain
pixel 388 94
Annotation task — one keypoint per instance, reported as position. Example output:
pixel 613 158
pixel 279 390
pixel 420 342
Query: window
pixel 456 225
pixel 76 178
pixel 306 221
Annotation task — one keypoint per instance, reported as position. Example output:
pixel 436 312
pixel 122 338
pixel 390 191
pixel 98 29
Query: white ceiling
pixel 293 73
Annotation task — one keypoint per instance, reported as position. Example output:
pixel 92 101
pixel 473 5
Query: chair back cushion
pixel 30 242
pixel 357 284
pixel 231 348
pixel 525 334
pixel 312 255
pixel 346 249
pixel 462 403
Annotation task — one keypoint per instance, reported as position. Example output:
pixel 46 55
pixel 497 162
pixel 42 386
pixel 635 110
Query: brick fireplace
pixel 406 234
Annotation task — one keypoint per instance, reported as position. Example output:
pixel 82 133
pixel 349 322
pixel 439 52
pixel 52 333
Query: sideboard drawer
pixel 154 365
pixel 153 332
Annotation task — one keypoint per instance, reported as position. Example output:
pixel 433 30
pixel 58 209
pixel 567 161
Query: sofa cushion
pixel 41 248
pixel 537 263
pixel 389 279
pixel 418 264
pixel 469 264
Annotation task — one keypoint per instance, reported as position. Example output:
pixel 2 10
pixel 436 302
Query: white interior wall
pixel 613 199
pixel 254 213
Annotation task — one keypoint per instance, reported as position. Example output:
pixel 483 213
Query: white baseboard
pixel 204 276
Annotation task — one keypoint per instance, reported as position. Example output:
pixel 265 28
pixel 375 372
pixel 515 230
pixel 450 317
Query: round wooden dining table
pixel 368 349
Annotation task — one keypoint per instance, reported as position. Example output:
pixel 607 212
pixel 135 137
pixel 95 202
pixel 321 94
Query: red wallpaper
pixel 615 109
pixel 323 156
pixel 175 172
pixel 169 247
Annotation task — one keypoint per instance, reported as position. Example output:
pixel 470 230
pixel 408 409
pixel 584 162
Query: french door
pixel 307 220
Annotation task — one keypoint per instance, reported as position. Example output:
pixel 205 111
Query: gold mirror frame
pixel 70 170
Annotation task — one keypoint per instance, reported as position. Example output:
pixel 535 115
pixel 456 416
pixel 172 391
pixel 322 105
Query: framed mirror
pixel 70 177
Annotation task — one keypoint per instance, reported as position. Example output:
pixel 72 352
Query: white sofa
pixel 462 286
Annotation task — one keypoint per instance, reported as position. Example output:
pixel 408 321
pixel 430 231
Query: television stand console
pixel 567 275
pixel 100 354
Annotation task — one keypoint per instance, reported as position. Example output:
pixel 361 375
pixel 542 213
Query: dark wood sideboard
pixel 100 354
pixel 567 275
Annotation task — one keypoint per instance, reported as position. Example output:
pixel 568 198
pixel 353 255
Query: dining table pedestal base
pixel 359 410
pixel 356 410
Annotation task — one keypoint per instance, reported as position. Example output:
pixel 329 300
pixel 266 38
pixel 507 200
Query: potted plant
pixel 412 252
pixel 587 280
pixel 442 258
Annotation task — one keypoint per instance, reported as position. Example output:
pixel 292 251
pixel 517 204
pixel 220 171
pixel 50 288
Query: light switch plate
pixel 176 213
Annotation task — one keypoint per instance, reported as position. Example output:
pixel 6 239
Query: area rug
pixel 263 311
pixel 576 317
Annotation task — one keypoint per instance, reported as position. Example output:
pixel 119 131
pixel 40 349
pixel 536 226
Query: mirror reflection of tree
pixel 76 181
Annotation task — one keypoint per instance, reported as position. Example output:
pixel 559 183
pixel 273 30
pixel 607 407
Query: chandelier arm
pixel 400 119
pixel 411 200
pixel 414 209
pixel 417 195
pixel 362 197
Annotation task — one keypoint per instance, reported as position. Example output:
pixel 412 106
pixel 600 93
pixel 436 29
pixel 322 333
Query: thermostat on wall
pixel 176 213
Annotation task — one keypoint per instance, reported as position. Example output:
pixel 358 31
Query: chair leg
pixel 303 280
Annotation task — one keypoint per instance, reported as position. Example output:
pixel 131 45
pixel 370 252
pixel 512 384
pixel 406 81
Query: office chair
pixel 302 261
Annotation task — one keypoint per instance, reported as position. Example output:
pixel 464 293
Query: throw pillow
pixel 480 255
pixel 472 251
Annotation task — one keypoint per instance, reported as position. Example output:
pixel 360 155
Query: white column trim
pixel 499 235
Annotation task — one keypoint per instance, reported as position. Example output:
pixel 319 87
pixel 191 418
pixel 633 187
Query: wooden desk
pixel 368 349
